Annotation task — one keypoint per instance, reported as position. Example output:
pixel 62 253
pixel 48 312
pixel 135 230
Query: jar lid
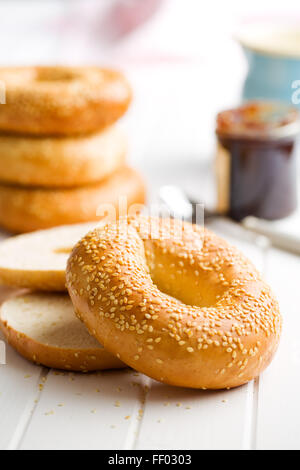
pixel 262 120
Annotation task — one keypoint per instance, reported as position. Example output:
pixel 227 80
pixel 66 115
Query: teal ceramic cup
pixel 273 56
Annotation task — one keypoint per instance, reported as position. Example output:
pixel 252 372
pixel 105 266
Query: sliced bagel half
pixel 44 329
pixel 38 260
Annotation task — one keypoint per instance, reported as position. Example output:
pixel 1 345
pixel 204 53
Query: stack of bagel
pixel 61 153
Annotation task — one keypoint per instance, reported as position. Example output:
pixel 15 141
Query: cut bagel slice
pixel 44 329
pixel 38 260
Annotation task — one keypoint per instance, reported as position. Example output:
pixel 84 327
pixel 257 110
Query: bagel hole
pixel 196 287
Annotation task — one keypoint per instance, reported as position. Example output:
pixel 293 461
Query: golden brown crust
pixel 25 209
pixel 61 161
pixel 62 100
pixel 189 311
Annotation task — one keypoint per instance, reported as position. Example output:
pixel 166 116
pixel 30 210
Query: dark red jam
pixel 256 160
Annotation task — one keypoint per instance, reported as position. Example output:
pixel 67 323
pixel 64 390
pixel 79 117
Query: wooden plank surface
pixel 92 411
pixel 192 419
pixel 19 388
pixel 279 405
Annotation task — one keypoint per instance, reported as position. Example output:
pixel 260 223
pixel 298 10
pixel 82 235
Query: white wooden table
pixel 47 409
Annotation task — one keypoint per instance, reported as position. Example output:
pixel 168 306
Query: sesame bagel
pixel 61 161
pixel 175 302
pixel 24 209
pixel 62 100
pixel 44 329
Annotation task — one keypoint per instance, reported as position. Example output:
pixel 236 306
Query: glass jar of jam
pixel 256 160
